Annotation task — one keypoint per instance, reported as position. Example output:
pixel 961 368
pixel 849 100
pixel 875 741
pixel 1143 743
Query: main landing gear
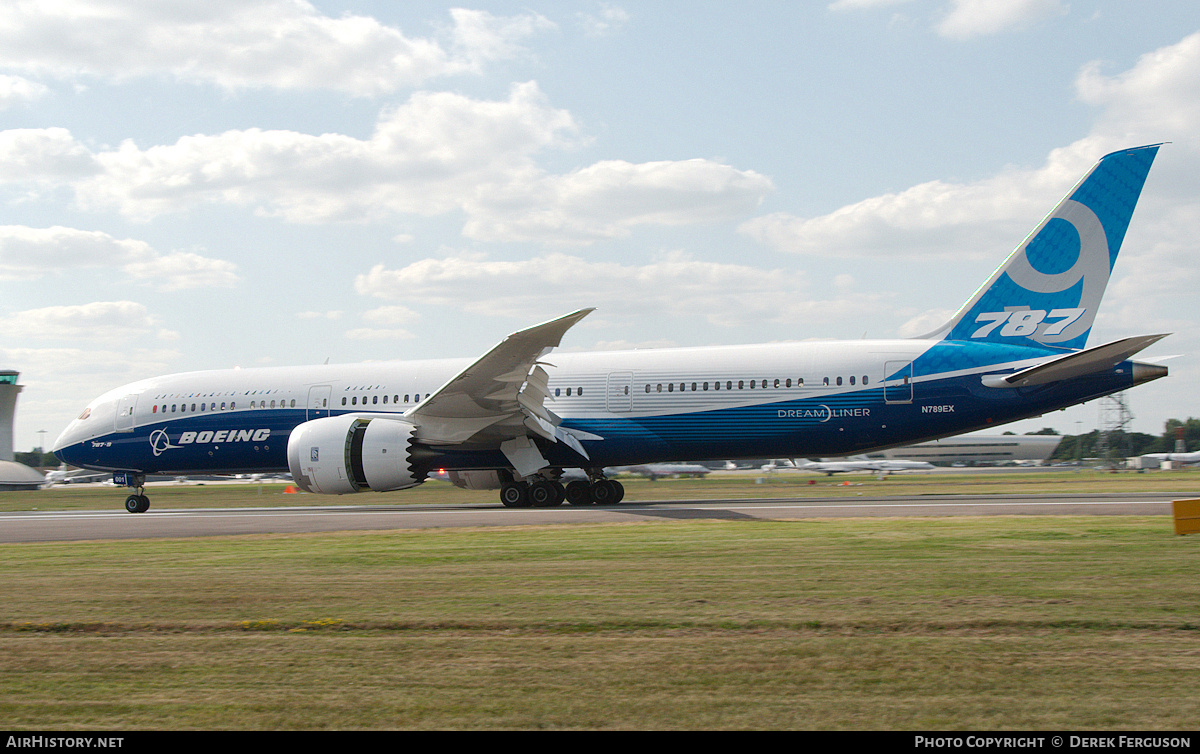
pixel 547 493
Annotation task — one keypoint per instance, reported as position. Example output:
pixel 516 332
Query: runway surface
pixel 49 526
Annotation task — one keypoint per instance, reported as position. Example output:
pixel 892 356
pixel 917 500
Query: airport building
pixel 978 450
pixel 13 475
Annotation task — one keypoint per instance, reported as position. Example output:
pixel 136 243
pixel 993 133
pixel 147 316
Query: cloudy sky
pixel 214 183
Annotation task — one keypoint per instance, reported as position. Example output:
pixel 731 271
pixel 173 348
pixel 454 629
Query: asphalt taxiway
pixel 50 526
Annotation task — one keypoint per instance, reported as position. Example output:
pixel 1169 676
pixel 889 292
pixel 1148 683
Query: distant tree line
pixel 36 458
pixel 1126 444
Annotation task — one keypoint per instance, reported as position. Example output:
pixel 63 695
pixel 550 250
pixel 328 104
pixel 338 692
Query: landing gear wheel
pixel 515 495
pixel 620 490
pixel 607 491
pixel 543 494
pixel 137 503
pixel 579 492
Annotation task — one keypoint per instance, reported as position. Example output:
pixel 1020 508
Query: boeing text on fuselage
pixel 511 421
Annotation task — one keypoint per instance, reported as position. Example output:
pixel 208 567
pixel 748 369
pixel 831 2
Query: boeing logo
pixel 160 441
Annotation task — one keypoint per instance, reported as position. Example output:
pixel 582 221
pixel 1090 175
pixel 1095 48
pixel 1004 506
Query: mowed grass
pixel 930 623
pixel 739 485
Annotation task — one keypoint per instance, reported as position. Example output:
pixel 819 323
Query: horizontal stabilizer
pixel 1074 364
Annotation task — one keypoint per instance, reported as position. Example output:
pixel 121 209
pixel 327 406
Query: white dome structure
pixel 18 476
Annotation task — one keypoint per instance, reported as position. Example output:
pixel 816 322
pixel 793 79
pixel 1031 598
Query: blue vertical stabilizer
pixel 1048 290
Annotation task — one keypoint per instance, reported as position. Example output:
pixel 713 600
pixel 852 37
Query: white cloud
pixel 386 315
pixel 29 253
pixel 1158 99
pixel 184 269
pixel 15 90
pixel 285 44
pixel 606 199
pixel 106 321
pixel 975 18
pixel 935 219
pixel 436 154
pixel 43 155
pixel 675 286
pixel 392 315
pixel 607 20
pixel 965 19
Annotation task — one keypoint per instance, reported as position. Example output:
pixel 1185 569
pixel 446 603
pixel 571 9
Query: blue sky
pixel 216 183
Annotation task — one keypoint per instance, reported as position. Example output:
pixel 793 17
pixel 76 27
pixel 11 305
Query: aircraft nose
pixel 66 443
pixel 69 445
pixel 63 439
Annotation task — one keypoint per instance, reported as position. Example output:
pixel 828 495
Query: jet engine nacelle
pixel 337 455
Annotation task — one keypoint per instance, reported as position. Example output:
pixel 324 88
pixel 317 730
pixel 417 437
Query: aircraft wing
pixel 499 400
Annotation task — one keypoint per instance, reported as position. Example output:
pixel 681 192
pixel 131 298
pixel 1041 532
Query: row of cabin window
pixel 182 408
pixel 764 384
pixel 353 401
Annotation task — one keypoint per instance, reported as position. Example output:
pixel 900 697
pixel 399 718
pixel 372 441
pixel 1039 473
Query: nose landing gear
pixel 137 502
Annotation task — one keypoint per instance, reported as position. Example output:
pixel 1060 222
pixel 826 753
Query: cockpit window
pixel 86 413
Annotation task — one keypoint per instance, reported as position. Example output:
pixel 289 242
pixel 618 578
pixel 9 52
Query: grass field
pixel 740 485
pixel 1080 623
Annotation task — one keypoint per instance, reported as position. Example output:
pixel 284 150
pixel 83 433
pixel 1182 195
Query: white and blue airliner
pixel 515 418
